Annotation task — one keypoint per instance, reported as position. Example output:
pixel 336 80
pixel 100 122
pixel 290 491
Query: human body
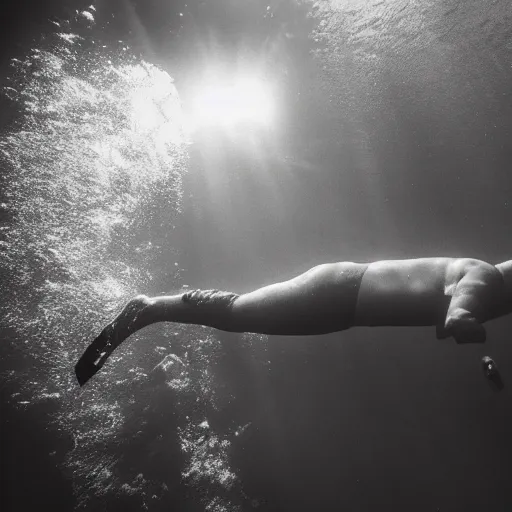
pixel 456 295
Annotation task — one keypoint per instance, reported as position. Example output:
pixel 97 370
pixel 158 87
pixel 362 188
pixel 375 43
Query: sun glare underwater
pixel 91 199
pixel 247 100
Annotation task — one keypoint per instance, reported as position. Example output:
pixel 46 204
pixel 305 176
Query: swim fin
pixel 85 369
pixel 93 358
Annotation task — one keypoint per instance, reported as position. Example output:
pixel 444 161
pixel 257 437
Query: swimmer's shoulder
pixel 458 268
pixel 463 266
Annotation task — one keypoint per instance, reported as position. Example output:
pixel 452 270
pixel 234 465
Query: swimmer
pixel 456 295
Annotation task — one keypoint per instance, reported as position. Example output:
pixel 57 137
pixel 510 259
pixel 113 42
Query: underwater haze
pixel 349 130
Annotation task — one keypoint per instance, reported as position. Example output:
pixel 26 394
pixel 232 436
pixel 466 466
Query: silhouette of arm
pixel 470 302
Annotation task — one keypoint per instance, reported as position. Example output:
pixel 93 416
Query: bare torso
pixel 409 292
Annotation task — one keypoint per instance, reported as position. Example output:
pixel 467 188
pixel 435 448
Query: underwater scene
pixel 160 146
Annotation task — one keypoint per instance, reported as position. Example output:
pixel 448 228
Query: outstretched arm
pixel 470 304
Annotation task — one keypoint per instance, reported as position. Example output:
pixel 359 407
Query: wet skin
pixel 455 294
pixel 419 291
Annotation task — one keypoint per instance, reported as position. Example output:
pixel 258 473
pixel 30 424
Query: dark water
pixel 392 140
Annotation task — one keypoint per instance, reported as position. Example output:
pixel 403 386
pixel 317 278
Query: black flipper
pixel 110 338
pixel 94 357
pixel 84 370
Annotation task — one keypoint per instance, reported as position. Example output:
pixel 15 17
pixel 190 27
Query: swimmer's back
pixel 410 291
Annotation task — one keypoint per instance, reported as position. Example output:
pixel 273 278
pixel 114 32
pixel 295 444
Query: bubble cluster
pixel 93 162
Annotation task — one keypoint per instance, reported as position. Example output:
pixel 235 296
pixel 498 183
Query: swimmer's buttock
pixel 349 290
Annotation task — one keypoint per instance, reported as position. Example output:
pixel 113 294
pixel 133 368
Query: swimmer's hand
pixel 466 330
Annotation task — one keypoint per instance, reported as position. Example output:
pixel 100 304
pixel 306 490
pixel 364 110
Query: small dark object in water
pixel 491 372
pixel 490 367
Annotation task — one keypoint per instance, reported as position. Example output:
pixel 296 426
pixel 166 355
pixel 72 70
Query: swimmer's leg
pixel 209 308
pixel 308 304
